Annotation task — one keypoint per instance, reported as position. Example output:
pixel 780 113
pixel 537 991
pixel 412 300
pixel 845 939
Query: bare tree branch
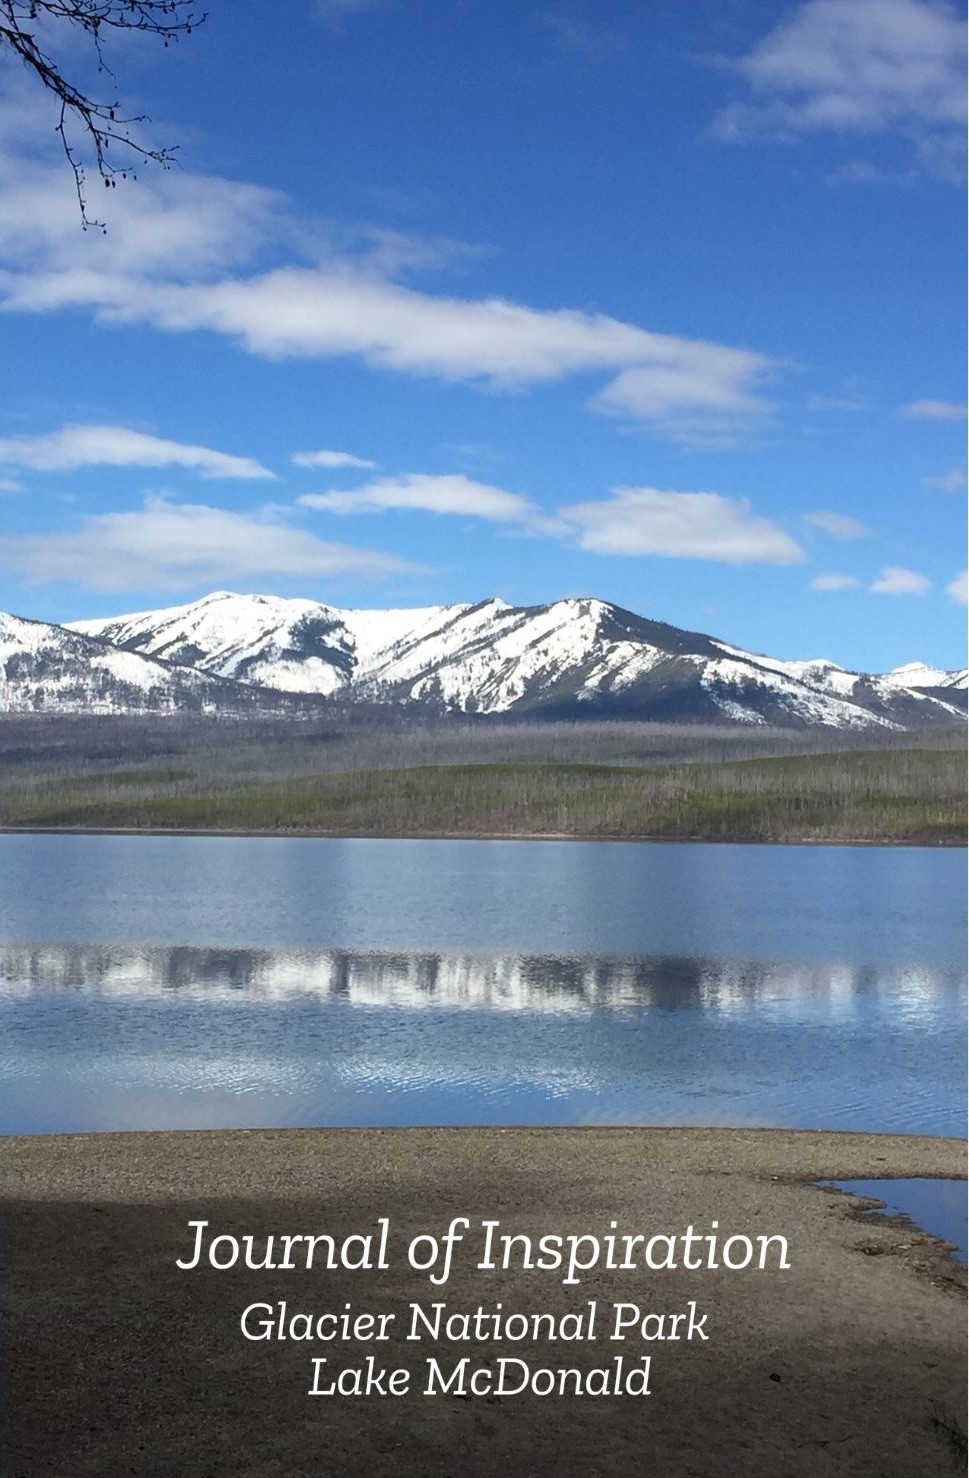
pixel 100 124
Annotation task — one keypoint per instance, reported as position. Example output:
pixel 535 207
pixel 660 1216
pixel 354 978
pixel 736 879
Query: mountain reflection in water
pixel 123 1036
pixel 496 982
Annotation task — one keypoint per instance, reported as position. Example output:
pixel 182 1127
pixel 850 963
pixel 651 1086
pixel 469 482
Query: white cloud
pixel 632 521
pixel 838 525
pixel 450 494
pixel 857 67
pixel 309 313
pixel 680 525
pixel 163 263
pixel 958 588
pixel 168 225
pixel 894 580
pixel 10 485
pixel 702 396
pixel 329 459
pixel 952 481
pixel 174 546
pixel 118 446
pixel 933 410
pixel 834 582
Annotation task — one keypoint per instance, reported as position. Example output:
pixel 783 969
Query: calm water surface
pixel 208 982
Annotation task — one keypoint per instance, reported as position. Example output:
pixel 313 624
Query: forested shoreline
pixel 610 780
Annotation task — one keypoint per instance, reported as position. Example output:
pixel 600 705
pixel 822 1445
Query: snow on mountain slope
pixel 800 700
pixel 901 695
pixel 918 675
pixel 295 645
pixel 567 658
pixel 492 656
pixel 496 659
pixel 45 668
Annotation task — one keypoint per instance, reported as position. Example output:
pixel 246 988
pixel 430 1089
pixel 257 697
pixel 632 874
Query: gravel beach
pixel 848 1361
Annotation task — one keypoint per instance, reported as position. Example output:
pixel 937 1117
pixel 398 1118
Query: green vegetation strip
pixel 912 795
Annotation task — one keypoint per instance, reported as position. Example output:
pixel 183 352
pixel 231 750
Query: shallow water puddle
pixel 937 1206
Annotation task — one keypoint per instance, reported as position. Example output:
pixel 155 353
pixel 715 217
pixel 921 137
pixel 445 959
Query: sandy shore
pixel 486 836
pixel 850 1361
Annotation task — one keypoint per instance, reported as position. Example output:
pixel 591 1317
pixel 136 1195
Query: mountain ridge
pixel 49 668
pixel 578 656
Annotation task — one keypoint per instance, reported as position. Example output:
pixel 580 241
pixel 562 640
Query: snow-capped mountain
pixel 906 695
pixel 917 675
pixel 297 645
pixel 45 668
pixel 565 659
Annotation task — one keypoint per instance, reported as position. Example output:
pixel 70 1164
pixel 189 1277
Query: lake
pixel 175 982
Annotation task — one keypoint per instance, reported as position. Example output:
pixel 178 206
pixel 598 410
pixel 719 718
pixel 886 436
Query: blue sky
pixel 444 300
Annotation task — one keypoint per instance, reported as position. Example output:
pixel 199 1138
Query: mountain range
pixel 233 654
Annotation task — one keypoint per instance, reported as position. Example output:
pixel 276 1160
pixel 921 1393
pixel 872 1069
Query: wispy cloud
pixel 958 589
pixel 160 265
pixel 443 494
pixel 834 582
pixel 703 394
pixel 646 521
pixel 174 546
pixel 337 12
pixel 591 43
pixel 857 67
pixel 933 410
pixel 681 386
pixel 838 525
pixel 329 459
pixel 472 451
pixel 631 521
pixel 171 225
pixel 952 481
pixel 383 251
pixel 895 580
pixel 119 446
pixel 863 172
